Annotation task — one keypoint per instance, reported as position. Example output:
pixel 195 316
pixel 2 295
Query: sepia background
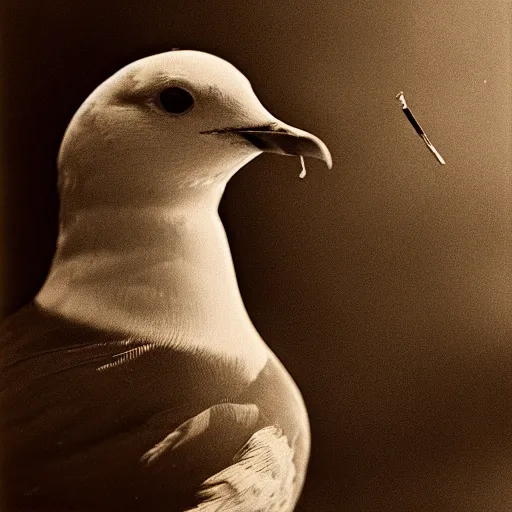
pixel 384 285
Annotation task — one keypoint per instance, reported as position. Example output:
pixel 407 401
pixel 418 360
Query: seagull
pixel 135 380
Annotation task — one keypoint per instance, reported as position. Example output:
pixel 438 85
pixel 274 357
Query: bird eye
pixel 176 100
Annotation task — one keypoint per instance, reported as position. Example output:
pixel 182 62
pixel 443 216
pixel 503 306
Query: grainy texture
pixel 390 276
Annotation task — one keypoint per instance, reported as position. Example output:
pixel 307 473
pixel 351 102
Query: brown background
pixel 384 285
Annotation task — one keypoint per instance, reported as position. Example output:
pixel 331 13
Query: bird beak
pixel 283 139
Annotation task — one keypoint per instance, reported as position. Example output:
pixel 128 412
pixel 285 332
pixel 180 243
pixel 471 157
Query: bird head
pixel 170 127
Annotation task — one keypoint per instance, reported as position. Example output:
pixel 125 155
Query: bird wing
pixel 141 425
pixel 260 475
pixel 260 478
pixel 220 418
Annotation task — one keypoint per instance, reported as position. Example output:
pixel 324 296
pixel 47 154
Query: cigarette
pixel 419 130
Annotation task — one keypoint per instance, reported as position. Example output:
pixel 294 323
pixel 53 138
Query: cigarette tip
pixel 401 98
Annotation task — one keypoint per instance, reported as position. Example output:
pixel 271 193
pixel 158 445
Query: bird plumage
pixel 94 420
pixel 136 380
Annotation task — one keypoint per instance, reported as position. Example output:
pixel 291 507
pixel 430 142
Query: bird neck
pixel 157 273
